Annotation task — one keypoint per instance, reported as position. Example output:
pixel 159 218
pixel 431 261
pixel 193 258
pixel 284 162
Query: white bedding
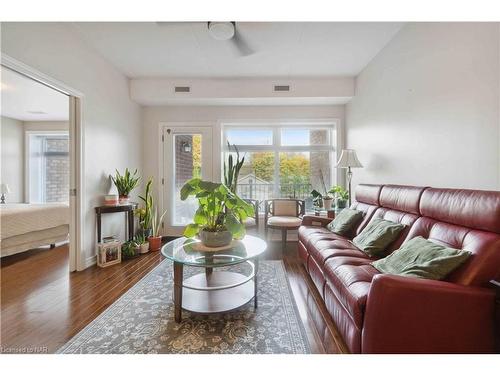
pixel 22 218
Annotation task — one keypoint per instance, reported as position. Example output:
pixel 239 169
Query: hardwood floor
pixel 43 305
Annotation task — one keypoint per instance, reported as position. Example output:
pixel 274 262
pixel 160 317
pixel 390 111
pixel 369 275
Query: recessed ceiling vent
pixel 281 88
pixel 182 89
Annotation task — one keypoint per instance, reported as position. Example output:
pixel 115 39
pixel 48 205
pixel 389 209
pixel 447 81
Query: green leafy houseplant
pixel 125 183
pixel 219 211
pixel 341 195
pixel 130 249
pixel 145 213
pixel 319 199
pixel 232 169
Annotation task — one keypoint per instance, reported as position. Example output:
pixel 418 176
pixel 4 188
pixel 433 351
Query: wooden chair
pixel 283 214
pixel 252 222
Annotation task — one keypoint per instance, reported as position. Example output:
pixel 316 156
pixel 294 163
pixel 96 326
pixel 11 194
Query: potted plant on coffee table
pixel 220 213
pixel 125 184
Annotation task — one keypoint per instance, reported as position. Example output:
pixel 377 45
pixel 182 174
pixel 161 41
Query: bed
pixel 28 226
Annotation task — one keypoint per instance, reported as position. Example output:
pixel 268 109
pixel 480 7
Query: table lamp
pixel 348 160
pixel 4 189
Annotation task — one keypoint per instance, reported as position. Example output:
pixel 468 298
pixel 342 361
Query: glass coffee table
pixel 212 292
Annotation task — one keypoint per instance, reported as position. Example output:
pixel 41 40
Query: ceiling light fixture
pixel 221 30
pixel 37 112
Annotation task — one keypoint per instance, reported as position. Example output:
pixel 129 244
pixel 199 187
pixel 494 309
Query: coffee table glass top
pixel 191 252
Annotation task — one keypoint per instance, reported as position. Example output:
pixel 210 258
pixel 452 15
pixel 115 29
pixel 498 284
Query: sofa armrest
pixel 311 220
pixel 411 315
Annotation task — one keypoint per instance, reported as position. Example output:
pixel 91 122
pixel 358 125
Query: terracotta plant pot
pixel 124 199
pixel 154 243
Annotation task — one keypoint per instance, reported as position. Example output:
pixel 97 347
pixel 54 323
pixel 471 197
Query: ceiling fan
pixel 223 31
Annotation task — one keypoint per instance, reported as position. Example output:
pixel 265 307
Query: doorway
pixel 187 153
pixel 50 153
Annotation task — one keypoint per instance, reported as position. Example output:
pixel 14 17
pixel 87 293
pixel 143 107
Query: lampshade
pixel 347 159
pixel 4 189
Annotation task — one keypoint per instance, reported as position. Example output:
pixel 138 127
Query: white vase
pixel 144 248
pixel 327 203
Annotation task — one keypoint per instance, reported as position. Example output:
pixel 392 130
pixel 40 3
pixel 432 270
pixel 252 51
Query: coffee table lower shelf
pixel 214 301
pixel 213 292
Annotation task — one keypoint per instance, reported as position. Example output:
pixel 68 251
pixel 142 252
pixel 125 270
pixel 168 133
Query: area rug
pixel 142 321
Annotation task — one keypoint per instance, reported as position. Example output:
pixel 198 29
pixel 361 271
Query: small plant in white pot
pixel 143 243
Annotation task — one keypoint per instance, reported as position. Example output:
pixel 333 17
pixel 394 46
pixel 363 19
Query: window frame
pixel 27 153
pixel 335 142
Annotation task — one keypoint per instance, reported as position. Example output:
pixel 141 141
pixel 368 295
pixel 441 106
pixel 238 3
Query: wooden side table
pixel 128 209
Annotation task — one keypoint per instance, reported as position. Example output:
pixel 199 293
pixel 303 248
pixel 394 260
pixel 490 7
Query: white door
pixel 187 153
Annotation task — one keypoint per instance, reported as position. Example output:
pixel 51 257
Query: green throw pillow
pixel 377 235
pixel 345 221
pixel 422 258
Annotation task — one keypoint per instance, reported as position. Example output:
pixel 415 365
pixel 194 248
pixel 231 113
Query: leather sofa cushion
pixel 309 235
pixel 475 209
pixel 484 246
pixel 350 283
pixel 326 248
pixel 369 194
pixel 401 198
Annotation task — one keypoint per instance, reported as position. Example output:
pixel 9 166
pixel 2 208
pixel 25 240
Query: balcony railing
pixel 263 192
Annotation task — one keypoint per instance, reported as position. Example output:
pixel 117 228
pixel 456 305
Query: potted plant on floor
pixel 155 238
pixel 232 169
pixel 143 243
pixel 145 214
pixel 130 249
pixel 220 213
pixel 125 184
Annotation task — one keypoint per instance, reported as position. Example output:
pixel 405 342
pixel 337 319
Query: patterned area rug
pixel 142 321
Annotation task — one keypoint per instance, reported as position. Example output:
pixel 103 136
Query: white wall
pixel 12 155
pixel 111 121
pixel 426 109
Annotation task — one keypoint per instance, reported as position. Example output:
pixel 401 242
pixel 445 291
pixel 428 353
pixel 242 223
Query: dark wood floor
pixel 43 305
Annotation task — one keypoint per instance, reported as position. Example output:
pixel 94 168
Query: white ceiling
pixel 286 49
pixel 20 96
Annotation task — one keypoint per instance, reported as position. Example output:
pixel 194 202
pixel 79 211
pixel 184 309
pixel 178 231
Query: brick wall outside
pixel 184 211
pixel 57 170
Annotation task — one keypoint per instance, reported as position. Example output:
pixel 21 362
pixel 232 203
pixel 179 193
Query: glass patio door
pixel 187 154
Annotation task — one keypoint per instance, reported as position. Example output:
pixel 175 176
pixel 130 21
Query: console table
pixel 128 209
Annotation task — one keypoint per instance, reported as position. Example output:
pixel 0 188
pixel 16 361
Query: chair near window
pixel 252 221
pixel 285 215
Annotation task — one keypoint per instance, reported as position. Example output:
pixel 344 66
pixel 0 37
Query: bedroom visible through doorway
pixel 36 169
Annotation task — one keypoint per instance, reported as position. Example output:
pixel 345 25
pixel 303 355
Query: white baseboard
pixel 89 262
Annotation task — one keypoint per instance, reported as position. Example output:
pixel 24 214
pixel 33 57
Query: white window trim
pixel 277 125
pixel 27 152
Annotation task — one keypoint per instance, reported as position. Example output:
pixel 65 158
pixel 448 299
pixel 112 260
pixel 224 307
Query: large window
pixel 48 167
pixel 285 160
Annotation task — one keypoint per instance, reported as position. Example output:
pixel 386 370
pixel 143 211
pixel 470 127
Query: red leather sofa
pixel 379 313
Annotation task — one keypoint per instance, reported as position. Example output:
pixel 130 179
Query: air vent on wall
pixel 281 88
pixel 182 89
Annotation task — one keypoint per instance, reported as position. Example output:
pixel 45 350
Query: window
pixel 48 167
pixel 283 161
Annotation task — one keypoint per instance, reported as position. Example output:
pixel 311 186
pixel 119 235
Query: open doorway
pixel 38 213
